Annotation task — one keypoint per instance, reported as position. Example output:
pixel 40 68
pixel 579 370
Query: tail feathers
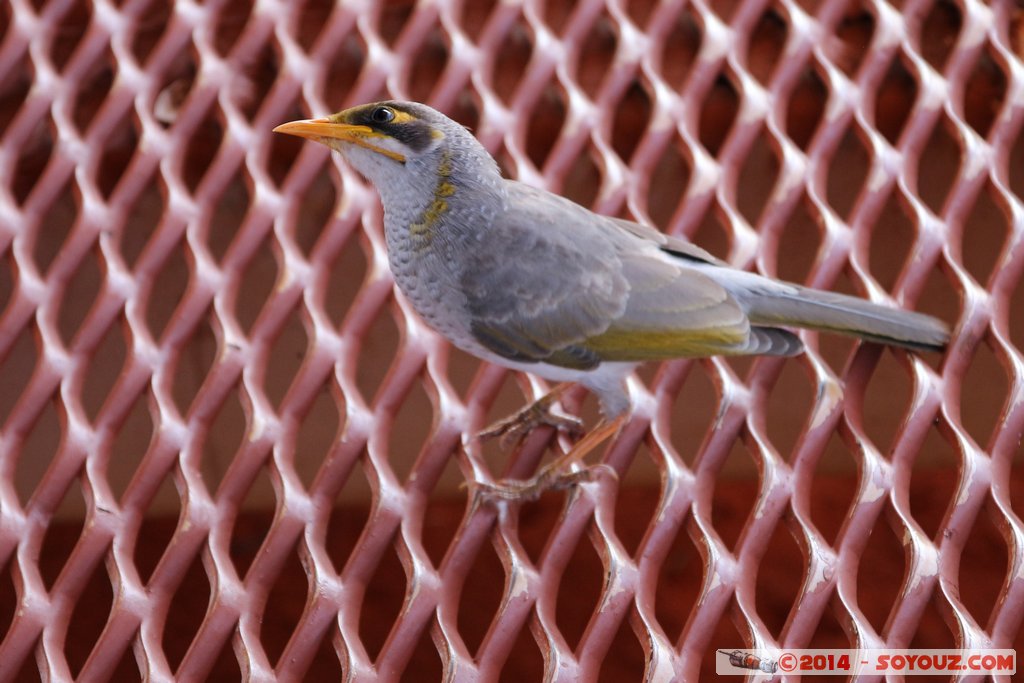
pixel 831 312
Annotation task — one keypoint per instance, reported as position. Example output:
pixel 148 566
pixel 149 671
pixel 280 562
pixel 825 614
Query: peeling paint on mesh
pixel 149 222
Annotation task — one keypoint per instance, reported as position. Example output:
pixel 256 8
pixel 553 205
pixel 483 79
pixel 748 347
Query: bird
pixel 530 280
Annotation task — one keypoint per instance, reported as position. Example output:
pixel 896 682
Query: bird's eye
pixel 382 115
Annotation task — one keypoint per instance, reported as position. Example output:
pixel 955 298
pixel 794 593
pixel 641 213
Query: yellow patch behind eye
pixel 403 117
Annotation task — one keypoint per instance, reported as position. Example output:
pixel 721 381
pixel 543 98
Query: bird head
pixel 385 141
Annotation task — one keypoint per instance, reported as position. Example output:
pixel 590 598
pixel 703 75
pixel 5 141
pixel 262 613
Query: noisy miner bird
pixel 532 281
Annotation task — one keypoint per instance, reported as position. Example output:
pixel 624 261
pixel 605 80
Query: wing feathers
pixel 550 281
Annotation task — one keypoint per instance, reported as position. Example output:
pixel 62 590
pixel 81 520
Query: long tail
pixel 827 311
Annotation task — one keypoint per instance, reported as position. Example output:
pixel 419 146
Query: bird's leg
pixel 513 429
pixel 554 475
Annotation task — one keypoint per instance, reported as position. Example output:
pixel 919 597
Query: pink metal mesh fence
pixel 198 326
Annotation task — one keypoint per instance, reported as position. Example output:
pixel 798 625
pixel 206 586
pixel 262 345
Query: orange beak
pixel 320 130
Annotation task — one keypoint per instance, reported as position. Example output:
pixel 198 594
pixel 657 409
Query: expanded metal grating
pixel 229 450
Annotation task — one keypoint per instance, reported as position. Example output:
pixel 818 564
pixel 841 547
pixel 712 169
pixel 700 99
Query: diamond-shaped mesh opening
pixel 212 402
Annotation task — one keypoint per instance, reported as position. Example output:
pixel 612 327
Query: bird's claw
pixel 557 474
pixel 513 429
pixel 528 490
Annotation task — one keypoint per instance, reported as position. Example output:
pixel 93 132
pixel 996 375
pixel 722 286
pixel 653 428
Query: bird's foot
pixel 556 475
pixel 513 429
pixel 528 490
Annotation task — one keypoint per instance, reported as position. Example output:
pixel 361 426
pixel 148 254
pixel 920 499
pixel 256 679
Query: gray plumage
pixel 526 278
